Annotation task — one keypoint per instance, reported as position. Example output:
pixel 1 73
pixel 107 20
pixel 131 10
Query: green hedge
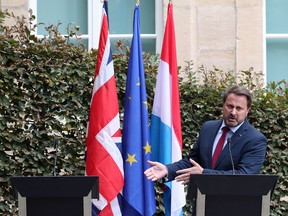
pixel 269 114
pixel 45 92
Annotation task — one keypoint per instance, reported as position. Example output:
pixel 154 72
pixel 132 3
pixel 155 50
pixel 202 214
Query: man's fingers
pixel 186 181
pixel 147 171
pixel 152 163
pixel 154 179
pixel 184 178
pixel 151 177
pixel 149 174
pixel 183 171
pixel 194 163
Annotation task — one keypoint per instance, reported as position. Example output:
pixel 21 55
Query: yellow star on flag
pixel 131 159
pixel 147 148
pixel 138 83
pixel 146 104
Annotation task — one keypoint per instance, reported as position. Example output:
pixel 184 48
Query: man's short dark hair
pixel 239 91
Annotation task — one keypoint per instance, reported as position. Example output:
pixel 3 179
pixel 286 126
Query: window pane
pixel 64 11
pixel 276 16
pixel 277 59
pixel 121 14
pixel 79 42
pixel 148 45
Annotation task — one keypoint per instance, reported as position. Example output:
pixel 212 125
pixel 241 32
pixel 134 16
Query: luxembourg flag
pixel 166 135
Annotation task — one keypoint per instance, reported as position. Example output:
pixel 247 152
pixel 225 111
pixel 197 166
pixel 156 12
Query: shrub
pixel 269 114
pixel 45 93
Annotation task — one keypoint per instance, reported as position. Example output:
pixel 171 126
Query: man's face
pixel 235 110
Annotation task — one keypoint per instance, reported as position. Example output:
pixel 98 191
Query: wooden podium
pixel 226 195
pixel 55 196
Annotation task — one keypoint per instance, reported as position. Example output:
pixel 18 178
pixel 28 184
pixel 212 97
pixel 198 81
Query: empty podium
pixel 55 196
pixel 231 195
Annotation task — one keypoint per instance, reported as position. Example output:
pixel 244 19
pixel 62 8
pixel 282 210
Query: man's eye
pixel 230 107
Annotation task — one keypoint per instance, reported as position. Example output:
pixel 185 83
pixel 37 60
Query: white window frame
pixel 94 24
pixel 268 36
pixel 264 44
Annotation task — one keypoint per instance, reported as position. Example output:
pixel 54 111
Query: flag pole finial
pixel 137 2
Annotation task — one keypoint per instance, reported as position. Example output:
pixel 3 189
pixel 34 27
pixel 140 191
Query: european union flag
pixel 139 195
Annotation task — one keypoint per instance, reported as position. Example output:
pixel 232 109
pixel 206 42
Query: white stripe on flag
pixel 178 199
pixel 105 71
pixel 105 138
pixel 162 97
pixel 115 207
pixel 101 203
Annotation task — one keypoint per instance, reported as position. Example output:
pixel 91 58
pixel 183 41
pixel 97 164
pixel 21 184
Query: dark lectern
pixel 226 195
pixel 55 196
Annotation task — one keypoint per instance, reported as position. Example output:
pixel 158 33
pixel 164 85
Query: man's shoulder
pixel 212 124
pixel 247 127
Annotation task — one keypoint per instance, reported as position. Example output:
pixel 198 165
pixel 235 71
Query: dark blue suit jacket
pixel 248 147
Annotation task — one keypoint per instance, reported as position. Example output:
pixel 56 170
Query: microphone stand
pixel 230 153
pixel 55 156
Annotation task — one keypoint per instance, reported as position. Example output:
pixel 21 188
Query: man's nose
pixel 233 111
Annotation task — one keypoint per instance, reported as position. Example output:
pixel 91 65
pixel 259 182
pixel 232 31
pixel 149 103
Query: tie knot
pixel 225 129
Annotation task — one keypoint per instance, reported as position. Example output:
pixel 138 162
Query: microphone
pixel 55 155
pixel 230 153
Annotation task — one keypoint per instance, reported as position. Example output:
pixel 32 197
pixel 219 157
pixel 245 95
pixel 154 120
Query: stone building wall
pixel 18 7
pixel 227 34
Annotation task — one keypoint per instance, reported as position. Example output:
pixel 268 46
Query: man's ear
pixel 247 111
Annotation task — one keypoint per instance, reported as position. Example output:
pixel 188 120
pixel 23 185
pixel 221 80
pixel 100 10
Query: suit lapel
pixel 236 137
pixel 213 130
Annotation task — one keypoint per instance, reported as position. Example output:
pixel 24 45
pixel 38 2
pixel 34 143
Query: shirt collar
pixel 233 129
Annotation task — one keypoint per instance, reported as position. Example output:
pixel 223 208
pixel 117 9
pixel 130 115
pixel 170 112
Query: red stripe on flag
pixel 101 164
pixel 168 55
pixel 104 107
pixel 107 211
pixel 117 134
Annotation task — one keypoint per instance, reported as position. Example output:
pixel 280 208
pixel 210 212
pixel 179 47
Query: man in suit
pixel 247 145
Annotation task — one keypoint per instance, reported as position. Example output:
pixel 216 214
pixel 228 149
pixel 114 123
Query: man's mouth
pixel 231 118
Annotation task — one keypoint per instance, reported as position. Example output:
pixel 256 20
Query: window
pixel 87 15
pixel 276 40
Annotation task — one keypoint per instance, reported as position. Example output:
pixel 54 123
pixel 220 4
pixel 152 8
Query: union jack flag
pixel 103 131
